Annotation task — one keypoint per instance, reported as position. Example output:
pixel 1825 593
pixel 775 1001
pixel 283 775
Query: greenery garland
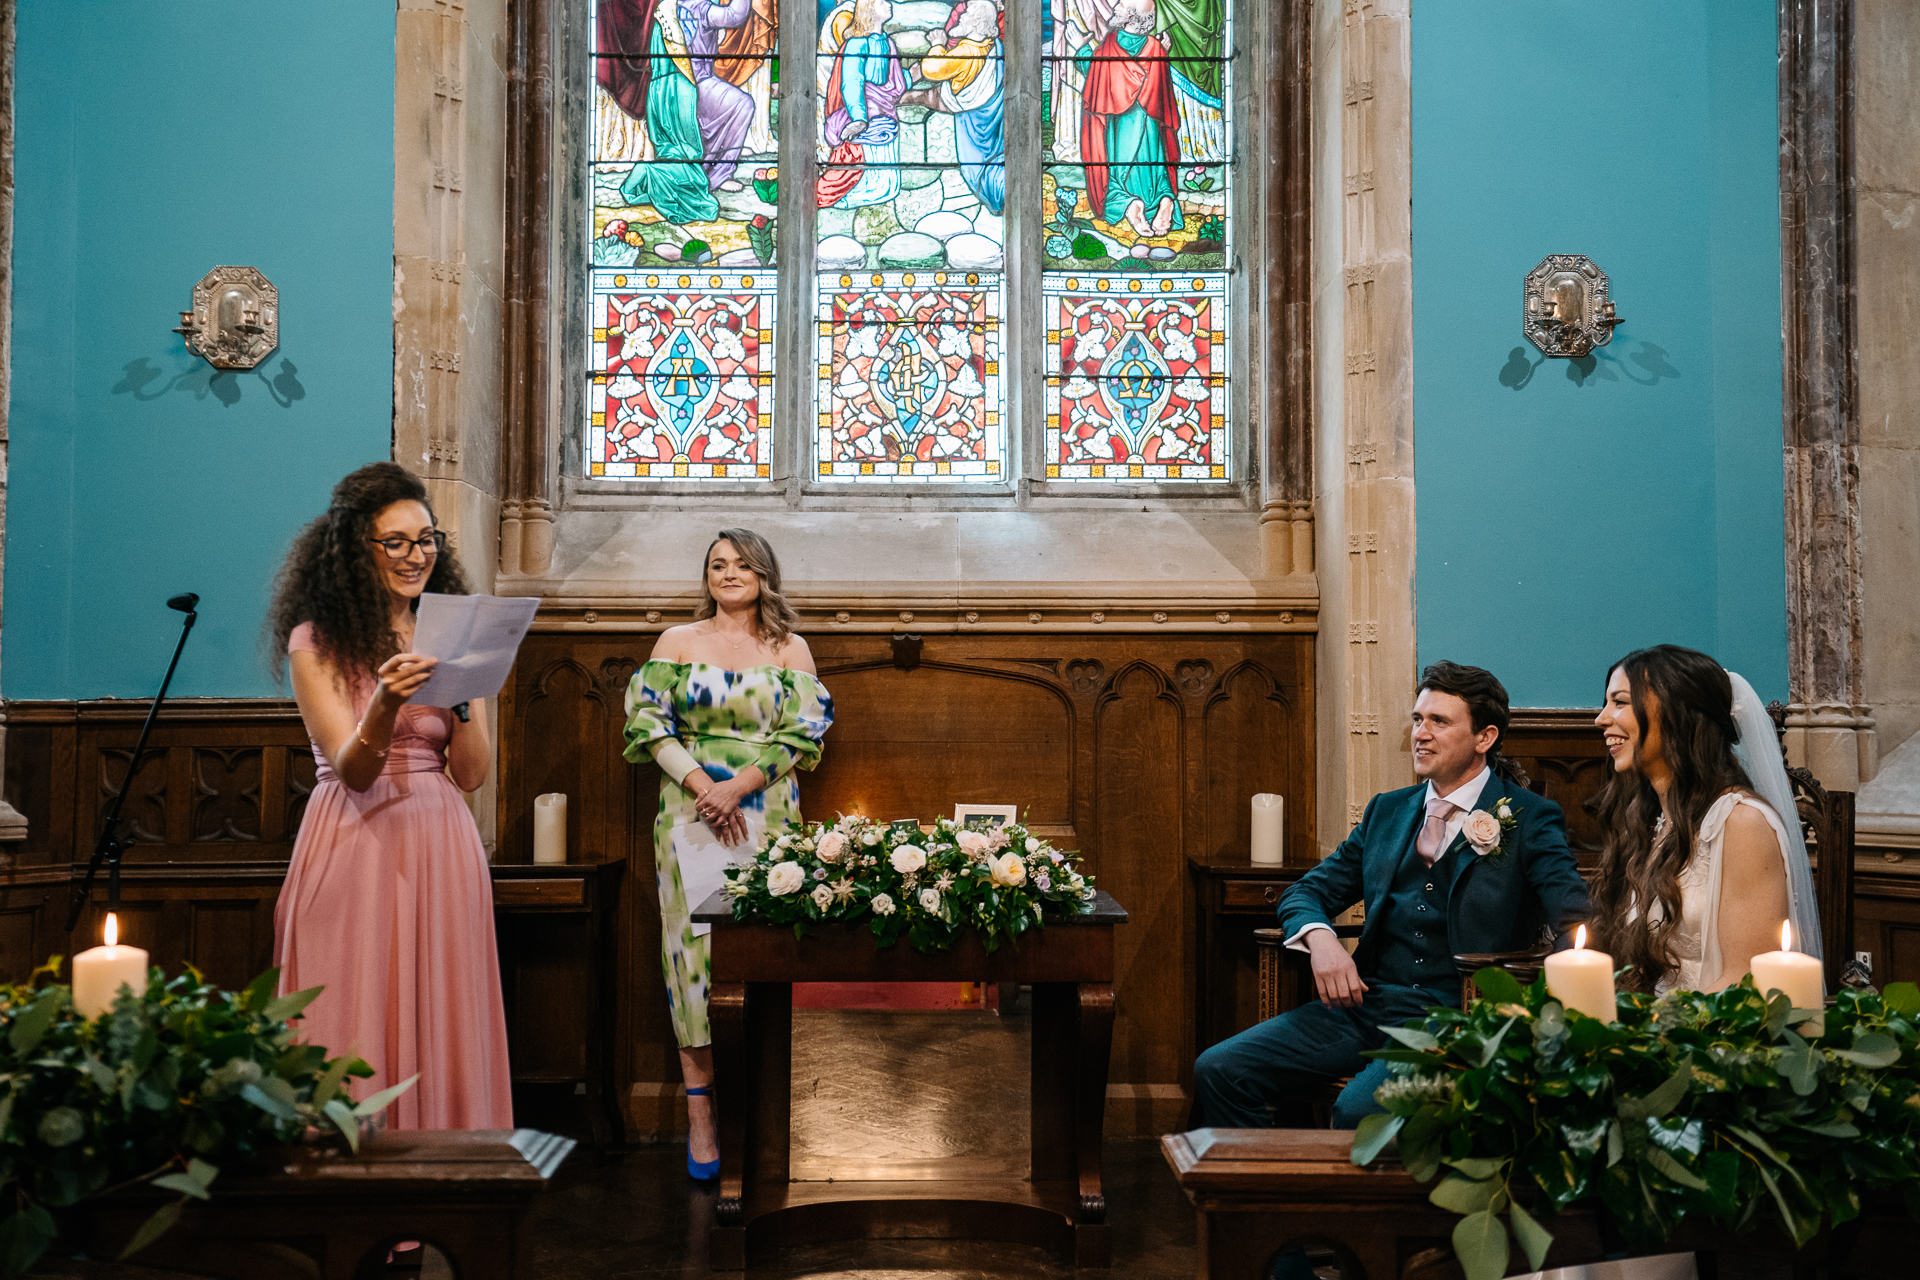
pixel 1690 1106
pixel 926 888
pixel 164 1089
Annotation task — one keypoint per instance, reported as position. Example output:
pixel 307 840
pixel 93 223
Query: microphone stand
pixel 110 847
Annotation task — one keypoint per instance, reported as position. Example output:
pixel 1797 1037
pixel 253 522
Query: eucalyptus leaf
pixel 1371 1136
pixel 329 1084
pixel 260 991
pixel 1674 1170
pixel 1798 1064
pixel 1586 1141
pixel 1871 1049
pixel 1616 1142
pixel 272 1105
pixel 1480 1242
pixel 1493 1046
pixel 1661 1100
pixel 1903 998
pixel 30 1025
pixel 1497 984
pixel 154 1227
pixel 349 1126
pixel 1533 1237
pixel 1459 1194
pixel 1477 1168
pixel 382 1100
pixel 1411 1038
pixel 290 1004
pixel 24 1236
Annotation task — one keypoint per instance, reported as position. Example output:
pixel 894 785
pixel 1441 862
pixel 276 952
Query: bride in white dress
pixel 1698 868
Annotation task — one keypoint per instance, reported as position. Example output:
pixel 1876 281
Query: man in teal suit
pixel 1466 861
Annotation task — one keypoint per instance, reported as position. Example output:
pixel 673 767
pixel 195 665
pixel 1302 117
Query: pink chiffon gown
pixel 389 905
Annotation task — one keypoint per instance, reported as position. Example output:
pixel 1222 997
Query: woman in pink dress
pixel 388 902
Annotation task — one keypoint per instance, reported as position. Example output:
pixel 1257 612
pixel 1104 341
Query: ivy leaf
pixel 153 1228
pixel 1498 985
pixel 1586 1142
pixel 1373 1134
pixel 1411 1038
pixel 1674 1170
pixel 290 1004
pixel 1459 1194
pixel 1903 998
pixel 1661 1100
pixel 1873 1049
pixel 1533 1237
pixel 1480 1242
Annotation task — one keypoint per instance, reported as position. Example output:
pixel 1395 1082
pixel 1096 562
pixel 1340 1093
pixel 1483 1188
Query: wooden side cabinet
pixel 554 928
pixel 1232 897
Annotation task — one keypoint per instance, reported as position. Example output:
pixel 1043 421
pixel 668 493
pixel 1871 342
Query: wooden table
pixel 1061 1206
pixel 556 978
pixel 327 1215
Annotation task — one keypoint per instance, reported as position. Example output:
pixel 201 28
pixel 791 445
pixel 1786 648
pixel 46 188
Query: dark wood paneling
pixel 1561 751
pixel 1146 746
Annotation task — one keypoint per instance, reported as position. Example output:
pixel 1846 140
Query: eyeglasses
pixel 400 548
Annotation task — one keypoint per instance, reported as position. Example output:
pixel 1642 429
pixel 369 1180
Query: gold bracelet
pixel 360 732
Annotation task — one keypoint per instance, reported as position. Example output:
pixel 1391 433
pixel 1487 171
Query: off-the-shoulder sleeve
pixel 806 713
pixel 650 716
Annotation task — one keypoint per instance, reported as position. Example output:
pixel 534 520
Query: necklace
pixel 734 643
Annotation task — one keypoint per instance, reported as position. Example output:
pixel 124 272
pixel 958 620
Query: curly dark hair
pixel 330 579
pixel 1692 703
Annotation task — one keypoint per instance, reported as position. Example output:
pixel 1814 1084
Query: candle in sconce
pixel 1797 974
pixel 100 972
pixel 1269 826
pixel 550 828
pixel 1582 979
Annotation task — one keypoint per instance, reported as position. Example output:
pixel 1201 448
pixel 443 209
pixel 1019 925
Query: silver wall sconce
pixel 1566 308
pixel 235 321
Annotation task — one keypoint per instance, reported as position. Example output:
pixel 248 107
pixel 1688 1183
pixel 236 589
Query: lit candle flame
pixel 113 929
pixel 1580 938
pixel 1786 935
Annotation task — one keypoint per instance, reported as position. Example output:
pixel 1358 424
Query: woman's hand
pixel 718 804
pixel 401 677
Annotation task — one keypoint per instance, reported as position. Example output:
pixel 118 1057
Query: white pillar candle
pixel 100 972
pixel 1582 979
pixel 550 828
pixel 1794 972
pixel 1269 823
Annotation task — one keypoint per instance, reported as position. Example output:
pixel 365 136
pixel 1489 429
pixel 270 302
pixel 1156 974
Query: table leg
pixel 770 1041
pixel 1072 1041
pixel 733 1072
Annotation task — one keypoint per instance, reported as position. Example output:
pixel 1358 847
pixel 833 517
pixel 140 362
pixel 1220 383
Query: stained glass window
pixel 1134 199
pixel 911 200
pixel 684 174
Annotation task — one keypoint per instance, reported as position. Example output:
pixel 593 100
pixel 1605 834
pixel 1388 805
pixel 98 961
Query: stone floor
pixel 919 1094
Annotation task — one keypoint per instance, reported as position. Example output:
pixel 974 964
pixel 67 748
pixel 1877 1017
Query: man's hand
pixel 1335 976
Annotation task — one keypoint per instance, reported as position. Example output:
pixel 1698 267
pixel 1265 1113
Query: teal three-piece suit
pixel 1418 916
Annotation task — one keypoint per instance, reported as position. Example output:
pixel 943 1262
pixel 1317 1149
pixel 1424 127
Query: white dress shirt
pixel 1462 798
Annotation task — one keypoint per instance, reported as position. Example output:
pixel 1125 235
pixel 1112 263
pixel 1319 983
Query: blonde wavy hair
pixel 777 620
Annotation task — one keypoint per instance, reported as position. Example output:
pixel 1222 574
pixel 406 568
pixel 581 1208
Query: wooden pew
pixel 326 1215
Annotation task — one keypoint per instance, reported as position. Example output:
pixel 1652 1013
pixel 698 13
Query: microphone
pixel 184 602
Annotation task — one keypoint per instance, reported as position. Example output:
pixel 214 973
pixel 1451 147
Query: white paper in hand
pixel 475 638
pixel 704 861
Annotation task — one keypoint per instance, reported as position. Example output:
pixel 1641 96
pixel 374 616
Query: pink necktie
pixel 1433 832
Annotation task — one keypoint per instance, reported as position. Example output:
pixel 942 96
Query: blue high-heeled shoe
pixel 701 1170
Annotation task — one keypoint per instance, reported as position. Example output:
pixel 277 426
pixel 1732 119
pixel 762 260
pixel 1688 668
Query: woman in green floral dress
pixel 728 706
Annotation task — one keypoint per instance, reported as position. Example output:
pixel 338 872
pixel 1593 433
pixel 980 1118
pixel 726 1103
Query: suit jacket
pixel 1495 903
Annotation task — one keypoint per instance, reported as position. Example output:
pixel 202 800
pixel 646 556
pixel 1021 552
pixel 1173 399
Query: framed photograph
pixel 985 816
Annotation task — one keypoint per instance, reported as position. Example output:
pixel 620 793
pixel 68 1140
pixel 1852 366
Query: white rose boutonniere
pixel 1009 870
pixel 908 858
pixel 784 878
pixel 822 896
pixel 1488 832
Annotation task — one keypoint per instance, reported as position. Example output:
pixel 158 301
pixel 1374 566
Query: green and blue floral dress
pixel 773 717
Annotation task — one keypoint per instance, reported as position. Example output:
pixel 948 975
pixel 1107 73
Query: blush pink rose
pixel 832 845
pixel 1482 830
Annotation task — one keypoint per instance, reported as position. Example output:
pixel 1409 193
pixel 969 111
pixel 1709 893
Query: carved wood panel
pixel 1562 753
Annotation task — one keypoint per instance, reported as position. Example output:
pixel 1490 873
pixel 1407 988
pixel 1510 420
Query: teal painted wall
pixel 154 142
pixel 1569 512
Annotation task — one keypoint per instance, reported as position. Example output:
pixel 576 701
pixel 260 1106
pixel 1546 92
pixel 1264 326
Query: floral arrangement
pixel 1491 834
pixel 926 888
pixel 166 1089
pixel 1690 1106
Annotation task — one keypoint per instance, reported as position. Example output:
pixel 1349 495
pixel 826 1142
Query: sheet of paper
pixel 704 861
pixel 475 638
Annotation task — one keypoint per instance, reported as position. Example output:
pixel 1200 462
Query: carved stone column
pixel 1285 384
pixel 13 825
pixel 526 525
pixel 1363 293
pixel 1829 728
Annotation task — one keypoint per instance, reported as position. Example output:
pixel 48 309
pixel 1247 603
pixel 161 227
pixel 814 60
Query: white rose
pixel 1482 831
pixel 870 837
pixel 908 858
pixel 973 843
pixel 1009 870
pixel 832 845
pixel 822 896
pixel 784 842
pixel 784 878
pixel 882 904
pixel 1503 811
pixel 929 900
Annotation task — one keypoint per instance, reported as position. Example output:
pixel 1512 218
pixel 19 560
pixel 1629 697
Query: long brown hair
pixel 776 620
pixel 1692 702
pixel 330 579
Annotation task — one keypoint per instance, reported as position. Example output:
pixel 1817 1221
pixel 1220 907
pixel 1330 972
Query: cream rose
pixel 882 904
pixel 832 845
pixel 929 900
pixel 973 843
pixel 822 896
pixel 908 858
pixel 1482 831
pixel 1009 870
pixel 784 878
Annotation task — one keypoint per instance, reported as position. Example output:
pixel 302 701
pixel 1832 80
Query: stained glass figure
pixel 910 378
pixel 682 377
pixel 1136 378
pixel 912 191
pixel 683 174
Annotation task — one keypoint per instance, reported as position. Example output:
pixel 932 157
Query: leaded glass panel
pixel 911 195
pixel 683 175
